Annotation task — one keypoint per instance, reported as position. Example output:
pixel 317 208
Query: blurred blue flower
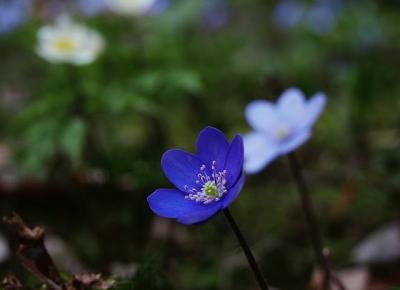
pixel 288 14
pixel 12 14
pixel 206 183
pixel 279 128
pixel 91 7
pixel 335 5
pixel 319 17
pixel 215 14
pixel 159 7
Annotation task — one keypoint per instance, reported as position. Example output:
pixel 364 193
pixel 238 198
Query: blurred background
pixel 80 145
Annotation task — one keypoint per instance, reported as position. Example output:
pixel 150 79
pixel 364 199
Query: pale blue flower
pixel 91 7
pixel 279 128
pixel 319 17
pixel 288 14
pixel 159 7
pixel 215 14
pixel 12 14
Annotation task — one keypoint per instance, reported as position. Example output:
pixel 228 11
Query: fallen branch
pixel 31 252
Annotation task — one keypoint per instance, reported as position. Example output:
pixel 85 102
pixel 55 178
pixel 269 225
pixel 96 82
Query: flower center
pixel 212 188
pixel 65 45
pixel 282 133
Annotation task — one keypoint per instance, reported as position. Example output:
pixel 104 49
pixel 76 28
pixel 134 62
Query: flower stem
pixel 246 249
pixel 315 232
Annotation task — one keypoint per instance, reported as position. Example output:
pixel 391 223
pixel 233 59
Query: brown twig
pixel 32 253
pixel 10 282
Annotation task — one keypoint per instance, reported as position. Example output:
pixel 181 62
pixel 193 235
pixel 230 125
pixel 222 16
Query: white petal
pixel 86 43
pixel 381 246
pixel 258 152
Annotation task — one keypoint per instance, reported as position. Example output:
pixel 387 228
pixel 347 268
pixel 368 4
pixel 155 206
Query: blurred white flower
pixel 381 246
pixel 4 249
pixel 131 7
pixel 69 42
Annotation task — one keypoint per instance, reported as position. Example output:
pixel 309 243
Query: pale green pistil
pixel 283 133
pixel 210 189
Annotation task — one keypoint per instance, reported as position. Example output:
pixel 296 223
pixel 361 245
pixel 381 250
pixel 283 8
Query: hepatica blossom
pixel 319 17
pixel 12 14
pixel 69 42
pixel 206 182
pixel 279 128
pixel 215 14
pixel 131 7
pixel 91 7
pixel 288 13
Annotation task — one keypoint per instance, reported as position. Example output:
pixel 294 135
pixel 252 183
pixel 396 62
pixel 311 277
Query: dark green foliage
pixel 150 276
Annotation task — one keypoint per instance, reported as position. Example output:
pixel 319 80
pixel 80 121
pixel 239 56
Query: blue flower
pixel 279 128
pixel 321 18
pixel 215 14
pixel 159 7
pixel 288 14
pixel 12 14
pixel 91 7
pixel 206 182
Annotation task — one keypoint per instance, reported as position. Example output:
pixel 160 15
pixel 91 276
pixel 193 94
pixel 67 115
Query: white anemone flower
pixel 69 42
pixel 130 7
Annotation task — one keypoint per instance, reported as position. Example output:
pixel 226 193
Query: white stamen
pixel 212 188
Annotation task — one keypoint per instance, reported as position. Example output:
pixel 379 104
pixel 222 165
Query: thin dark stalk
pixel 313 227
pixel 246 249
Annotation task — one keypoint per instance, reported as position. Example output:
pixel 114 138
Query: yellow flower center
pixel 65 45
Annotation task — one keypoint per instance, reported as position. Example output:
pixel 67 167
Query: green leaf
pixel 72 139
pixel 40 143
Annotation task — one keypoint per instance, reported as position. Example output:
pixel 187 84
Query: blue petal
pixel 259 151
pixel 202 215
pixel 233 192
pixel 315 106
pixel 171 203
pixel 234 160
pixel 212 145
pixel 292 107
pixel 262 116
pixel 294 142
pixel 181 168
